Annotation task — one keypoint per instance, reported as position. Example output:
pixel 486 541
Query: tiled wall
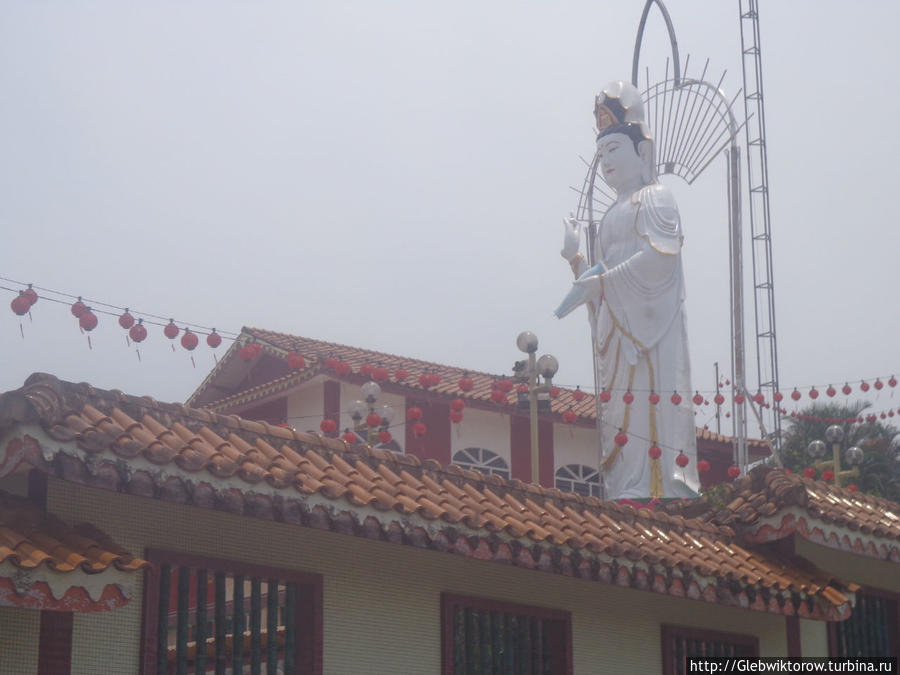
pixel 381 601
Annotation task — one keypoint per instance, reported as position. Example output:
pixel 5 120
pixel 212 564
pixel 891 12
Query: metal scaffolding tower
pixel 760 217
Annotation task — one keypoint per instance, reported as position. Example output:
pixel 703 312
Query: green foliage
pixel 879 472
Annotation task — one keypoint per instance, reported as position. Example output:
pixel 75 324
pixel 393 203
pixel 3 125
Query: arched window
pixel 580 479
pixel 481 460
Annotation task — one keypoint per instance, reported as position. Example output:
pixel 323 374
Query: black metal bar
pixel 255 626
pixel 200 634
pixel 272 627
pixel 237 625
pixel 221 629
pixel 181 630
pixel 290 629
pixel 162 619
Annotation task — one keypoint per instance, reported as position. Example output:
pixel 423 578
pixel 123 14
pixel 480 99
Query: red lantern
pixel 655 452
pixel 384 436
pixel 852 488
pixel 505 385
pixel 879 385
pixel 698 398
pixel 348 437
pixel 864 385
pixel 342 368
pixel 457 404
pixel 814 393
pixel 676 398
pixel 328 426
pixel 189 340
pixel 435 379
pixel 891 382
pixel 828 474
pixel 682 460
pixel 425 380
pixel 621 438
pixel 795 395
pixel 809 472
pixel 32 295
pixel 846 389
pixel 777 397
pixel 401 374
pixel 126 321
pixel 554 391
pixel 373 419
pixel 366 369
pixel 605 396
pixel 138 332
pixel 739 399
pixel 703 466
pixel 331 362
pixel 380 374
pixel 522 389
pixel 296 361
pixel 569 416
pixel 578 395
pixel 466 383
pixel 628 397
pixel 246 353
pixel 653 398
pixel 87 320
pixel 734 471
pixel 498 396
pixel 831 391
pixel 419 429
pixel 413 414
pixel 719 399
pixel 456 416
pixel 78 308
pixel 788 472
pixel 20 304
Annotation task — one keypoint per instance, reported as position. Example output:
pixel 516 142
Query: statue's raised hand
pixel 571 237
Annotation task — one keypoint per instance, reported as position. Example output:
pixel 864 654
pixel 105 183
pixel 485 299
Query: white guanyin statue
pixel 635 297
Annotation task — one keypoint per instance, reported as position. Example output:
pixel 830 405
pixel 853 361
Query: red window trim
pixel 671 632
pixel 450 601
pixel 309 622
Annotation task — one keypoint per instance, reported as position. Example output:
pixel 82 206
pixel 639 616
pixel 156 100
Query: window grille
pixel 210 616
pixel 873 628
pixel 580 479
pixel 482 460
pixel 483 637
pixel 679 643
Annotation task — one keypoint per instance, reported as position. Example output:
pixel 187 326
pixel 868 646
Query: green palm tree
pixel 879 471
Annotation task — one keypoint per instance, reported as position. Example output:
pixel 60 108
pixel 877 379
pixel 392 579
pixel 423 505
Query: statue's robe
pixel 642 347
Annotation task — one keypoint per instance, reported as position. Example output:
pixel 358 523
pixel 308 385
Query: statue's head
pixel 619 111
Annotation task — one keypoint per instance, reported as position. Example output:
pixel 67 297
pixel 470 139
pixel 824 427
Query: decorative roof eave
pixel 320 510
pixel 77 591
pixel 48 564
pixel 796 521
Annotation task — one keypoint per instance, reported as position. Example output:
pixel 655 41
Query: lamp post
pixel 364 413
pixel 538 394
pixel 834 434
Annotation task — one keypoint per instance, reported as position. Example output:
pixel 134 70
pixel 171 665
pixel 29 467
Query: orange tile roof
pixel 315 352
pixel 261 470
pixel 769 504
pixel 30 539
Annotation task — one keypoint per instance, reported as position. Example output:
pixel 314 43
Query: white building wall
pixel 305 408
pixel 574 445
pixel 481 429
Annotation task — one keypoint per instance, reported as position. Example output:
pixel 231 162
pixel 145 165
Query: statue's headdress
pixel 619 109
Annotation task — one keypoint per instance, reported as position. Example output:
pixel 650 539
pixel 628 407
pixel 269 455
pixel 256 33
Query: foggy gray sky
pixel 393 175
